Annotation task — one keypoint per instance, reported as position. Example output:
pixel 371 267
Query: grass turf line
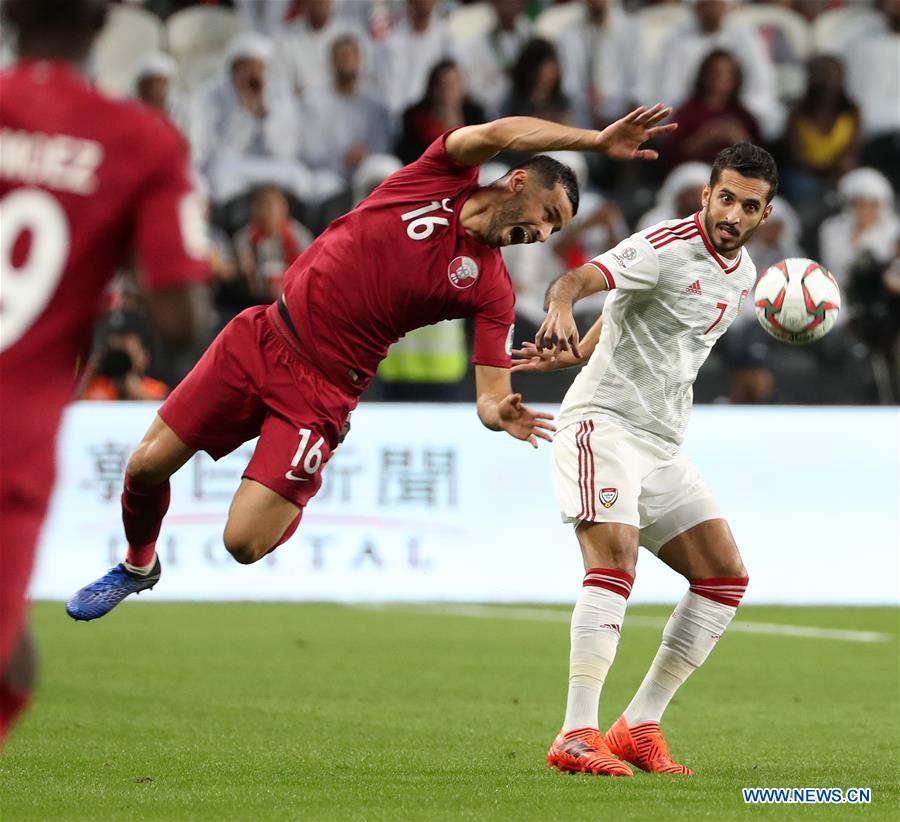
pixel 288 711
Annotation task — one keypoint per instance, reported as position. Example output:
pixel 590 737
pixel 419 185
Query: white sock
pixel 596 624
pixel 143 570
pixel 689 636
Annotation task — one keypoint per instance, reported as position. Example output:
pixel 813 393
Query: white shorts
pixel 604 473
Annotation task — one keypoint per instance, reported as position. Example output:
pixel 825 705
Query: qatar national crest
pixel 463 272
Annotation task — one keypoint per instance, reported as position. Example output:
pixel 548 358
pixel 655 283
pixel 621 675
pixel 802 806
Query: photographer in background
pixel 117 369
pixel 873 295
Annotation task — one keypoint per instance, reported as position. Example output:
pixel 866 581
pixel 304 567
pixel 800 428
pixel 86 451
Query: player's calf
pixel 696 625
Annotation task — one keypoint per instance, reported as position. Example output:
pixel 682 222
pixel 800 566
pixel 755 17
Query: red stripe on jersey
pixel 589 456
pixel 578 435
pixel 724 590
pixel 610 281
pixel 607 275
pixel 664 241
pixel 727 267
pixel 674 228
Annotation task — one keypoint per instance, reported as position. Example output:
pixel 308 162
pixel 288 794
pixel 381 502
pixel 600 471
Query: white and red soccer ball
pixel 797 301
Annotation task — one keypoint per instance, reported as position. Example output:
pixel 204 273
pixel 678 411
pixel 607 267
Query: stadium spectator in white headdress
pixel 873 78
pixel 487 60
pixel 303 49
pixel 405 58
pixel 245 128
pixel 712 27
pixel 153 84
pixel 867 223
pixel 679 195
pixel 270 16
pixel 603 66
pixel 342 122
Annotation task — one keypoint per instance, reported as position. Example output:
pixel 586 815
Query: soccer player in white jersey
pixel 619 473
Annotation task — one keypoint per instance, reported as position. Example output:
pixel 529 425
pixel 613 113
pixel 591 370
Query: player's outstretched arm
pixel 621 140
pixel 530 358
pixel 559 331
pixel 501 410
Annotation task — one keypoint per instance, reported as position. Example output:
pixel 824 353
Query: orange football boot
pixel 584 751
pixel 643 746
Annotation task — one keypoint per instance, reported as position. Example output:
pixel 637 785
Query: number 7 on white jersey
pixel 722 308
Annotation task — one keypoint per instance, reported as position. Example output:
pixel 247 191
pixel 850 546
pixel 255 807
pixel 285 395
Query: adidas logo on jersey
pixel 694 288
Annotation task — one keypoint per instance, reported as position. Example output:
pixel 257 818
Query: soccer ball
pixel 797 301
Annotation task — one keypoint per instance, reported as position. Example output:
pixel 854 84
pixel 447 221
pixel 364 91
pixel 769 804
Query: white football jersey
pixel 672 297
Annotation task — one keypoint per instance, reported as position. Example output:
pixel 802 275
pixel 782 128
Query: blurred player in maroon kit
pixel 83 180
pixel 423 247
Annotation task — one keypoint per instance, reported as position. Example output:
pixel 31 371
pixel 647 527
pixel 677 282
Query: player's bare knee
pixel 244 552
pixel 730 566
pixel 244 548
pixel 727 568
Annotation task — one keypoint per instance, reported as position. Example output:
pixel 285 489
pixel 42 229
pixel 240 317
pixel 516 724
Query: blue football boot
pixel 100 597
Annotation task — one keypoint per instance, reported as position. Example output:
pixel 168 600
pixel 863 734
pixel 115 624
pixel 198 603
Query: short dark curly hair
pixel 750 161
pixel 550 172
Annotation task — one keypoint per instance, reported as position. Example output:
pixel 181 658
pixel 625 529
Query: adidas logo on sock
pixel 694 288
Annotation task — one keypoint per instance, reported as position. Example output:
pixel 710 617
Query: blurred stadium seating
pixel 852 366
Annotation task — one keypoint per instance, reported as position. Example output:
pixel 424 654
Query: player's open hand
pixel 622 139
pixel 531 359
pixel 558 331
pixel 522 422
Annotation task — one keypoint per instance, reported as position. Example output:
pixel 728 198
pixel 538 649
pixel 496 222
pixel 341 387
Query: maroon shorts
pixel 250 382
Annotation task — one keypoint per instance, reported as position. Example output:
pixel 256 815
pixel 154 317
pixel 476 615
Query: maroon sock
pixel 12 702
pixel 143 509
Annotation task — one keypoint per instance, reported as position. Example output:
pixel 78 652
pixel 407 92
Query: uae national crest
pixel 608 496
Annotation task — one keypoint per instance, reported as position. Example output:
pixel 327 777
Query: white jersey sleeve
pixel 633 265
pixel 673 297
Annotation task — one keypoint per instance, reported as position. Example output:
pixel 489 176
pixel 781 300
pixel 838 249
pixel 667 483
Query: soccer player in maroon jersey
pixel 423 247
pixel 82 180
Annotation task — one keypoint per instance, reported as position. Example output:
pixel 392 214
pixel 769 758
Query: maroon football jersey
pixel 83 181
pixel 400 260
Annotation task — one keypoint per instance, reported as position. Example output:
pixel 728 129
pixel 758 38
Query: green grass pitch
pixel 280 711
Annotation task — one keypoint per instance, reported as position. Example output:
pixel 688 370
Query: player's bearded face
pixel 508 225
pixel 524 218
pixel 734 209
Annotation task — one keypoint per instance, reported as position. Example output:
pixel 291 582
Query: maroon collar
pixel 729 267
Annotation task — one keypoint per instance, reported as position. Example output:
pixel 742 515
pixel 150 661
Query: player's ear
pixel 517 179
pixel 704 197
pixel 766 213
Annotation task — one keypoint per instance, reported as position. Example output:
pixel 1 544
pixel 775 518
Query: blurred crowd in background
pixel 296 109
